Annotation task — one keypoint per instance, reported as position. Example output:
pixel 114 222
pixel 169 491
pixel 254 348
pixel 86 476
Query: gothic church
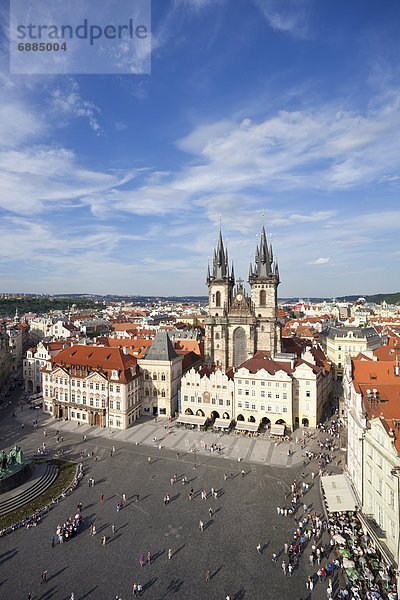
pixel 239 325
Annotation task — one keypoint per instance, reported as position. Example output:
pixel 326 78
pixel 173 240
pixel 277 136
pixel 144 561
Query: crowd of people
pixel 368 575
pixel 69 529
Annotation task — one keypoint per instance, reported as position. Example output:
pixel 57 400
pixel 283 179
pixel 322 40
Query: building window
pixel 253 407
pixel 221 402
pixel 191 398
pixel 240 404
pixel 391 498
pixel 118 405
pixel 246 392
pixel 284 408
pixel 262 393
pixel 213 401
pixel 263 383
pixel 247 405
pixel 269 408
pixel 239 382
pixel 253 382
pixel 308 394
pixel 262 407
pixel 73 414
pixel 91 385
pixel 103 387
pixel 240 392
pixel 277 408
pixel 117 388
pixel 228 403
pixel 253 392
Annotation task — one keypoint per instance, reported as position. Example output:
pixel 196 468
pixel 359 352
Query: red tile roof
pixel 98 358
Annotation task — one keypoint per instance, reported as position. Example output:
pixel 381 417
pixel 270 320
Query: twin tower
pixel 239 325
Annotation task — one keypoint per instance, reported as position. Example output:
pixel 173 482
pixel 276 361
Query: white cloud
pixel 288 16
pixel 319 261
pixel 321 215
pixel 69 102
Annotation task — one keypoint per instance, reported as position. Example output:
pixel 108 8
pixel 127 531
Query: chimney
pixel 396 370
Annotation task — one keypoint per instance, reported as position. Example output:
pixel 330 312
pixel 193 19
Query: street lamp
pixel 195 450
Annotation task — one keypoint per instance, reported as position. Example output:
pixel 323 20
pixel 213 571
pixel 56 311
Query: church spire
pixel 220 266
pixel 264 266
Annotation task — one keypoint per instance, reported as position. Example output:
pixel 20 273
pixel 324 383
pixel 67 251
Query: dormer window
pixel 114 374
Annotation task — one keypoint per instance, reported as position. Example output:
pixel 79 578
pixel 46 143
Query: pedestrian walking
pixel 72 596
pixel 139 589
pixel 201 525
pixel 124 498
pixel 177 456
pixel 208 575
pixel 284 567
pixel 242 472
pixel 210 512
pixel 290 569
pixel 169 553
pixel 52 541
pixel 149 557
pixel 274 557
pixel 134 589
pixel 29 596
pixel 113 528
pixel 101 498
pixel 286 547
pixel 141 560
pixel 44 576
pixel 149 459
pixel 259 548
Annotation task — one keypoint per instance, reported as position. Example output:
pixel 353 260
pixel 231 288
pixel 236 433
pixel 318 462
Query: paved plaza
pixel 244 514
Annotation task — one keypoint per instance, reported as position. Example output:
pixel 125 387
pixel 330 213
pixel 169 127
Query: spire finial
pixel 220 221
pixel 263 216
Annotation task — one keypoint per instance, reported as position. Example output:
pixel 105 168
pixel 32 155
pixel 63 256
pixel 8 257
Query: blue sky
pixel 291 109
